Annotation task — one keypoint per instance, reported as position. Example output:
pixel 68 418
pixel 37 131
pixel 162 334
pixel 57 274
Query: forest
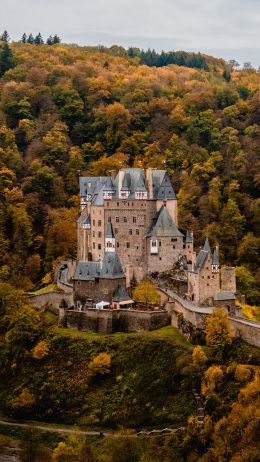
pixel 67 110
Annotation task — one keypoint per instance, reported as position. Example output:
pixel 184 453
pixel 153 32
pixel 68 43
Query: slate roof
pixel 110 231
pixel 109 268
pixel 120 294
pixel 207 245
pixel 188 238
pixel 201 258
pixel 215 259
pixel 91 184
pixel 109 186
pixel 164 225
pixel 141 184
pixel 224 295
pixel 165 190
pixel 87 271
pixel 134 180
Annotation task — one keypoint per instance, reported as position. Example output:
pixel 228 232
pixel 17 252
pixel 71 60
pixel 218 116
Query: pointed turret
pixel 215 261
pixel 207 245
pixel 110 242
pixel 189 237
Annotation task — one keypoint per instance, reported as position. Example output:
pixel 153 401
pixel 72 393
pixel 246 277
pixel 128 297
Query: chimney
pixel 121 174
pixel 149 180
pixel 113 174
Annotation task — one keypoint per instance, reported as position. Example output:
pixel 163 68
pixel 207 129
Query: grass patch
pixel 75 333
pixel 49 288
pixel 168 332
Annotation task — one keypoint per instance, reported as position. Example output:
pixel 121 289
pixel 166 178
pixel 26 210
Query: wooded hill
pixel 67 110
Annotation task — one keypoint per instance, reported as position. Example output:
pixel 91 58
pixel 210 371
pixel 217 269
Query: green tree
pixel 6 58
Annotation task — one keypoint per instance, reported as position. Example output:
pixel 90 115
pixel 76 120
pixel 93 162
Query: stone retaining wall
pixel 109 321
pixel 54 298
pixel 246 329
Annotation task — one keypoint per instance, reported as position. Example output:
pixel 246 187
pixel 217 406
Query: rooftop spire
pixel 207 245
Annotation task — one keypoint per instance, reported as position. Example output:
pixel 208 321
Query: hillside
pixel 67 110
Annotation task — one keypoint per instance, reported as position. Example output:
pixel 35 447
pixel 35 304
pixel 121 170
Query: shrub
pixel 243 373
pixel 40 350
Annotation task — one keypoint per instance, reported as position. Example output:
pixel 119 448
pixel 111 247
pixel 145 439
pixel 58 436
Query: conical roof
pixel 215 258
pixel 110 231
pixel 207 245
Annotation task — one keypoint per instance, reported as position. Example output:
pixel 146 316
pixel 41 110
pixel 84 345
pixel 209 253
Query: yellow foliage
pixel 24 400
pixel 47 278
pixel 218 330
pixel 243 373
pixel 213 377
pixel 100 364
pixel 61 453
pixel 146 292
pixel 251 312
pixel 40 350
pixel 198 356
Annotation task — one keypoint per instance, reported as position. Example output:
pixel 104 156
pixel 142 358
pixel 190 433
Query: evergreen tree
pixel 49 40
pixel 30 39
pixel 24 38
pixel 6 58
pixel 5 36
pixel 56 39
pixel 38 39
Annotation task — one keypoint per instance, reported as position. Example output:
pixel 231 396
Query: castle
pixel 128 229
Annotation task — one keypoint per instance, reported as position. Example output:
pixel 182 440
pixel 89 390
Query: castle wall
pixel 228 278
pixel 51 298
pixel 131 221
pixel 109 321
pixel 169 250
pixel 101 289
pixel 98 230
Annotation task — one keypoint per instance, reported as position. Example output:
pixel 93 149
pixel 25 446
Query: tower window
pixel 99 234
pixel 130 232
pixel 117 219
pixel 117 244
pixel 134 219
pixel 137 232
pixel 128 245
pixel 99 246
pixel 99 222
pixel 125 220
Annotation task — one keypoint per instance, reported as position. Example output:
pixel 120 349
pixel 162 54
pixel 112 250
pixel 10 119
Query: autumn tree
pixel 146 292
pixel 218 330
pixel 199 358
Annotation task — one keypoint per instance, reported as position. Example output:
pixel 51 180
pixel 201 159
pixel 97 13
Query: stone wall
pixel 246 329
pixel 109 321
pixel 182 309
pixel 51 298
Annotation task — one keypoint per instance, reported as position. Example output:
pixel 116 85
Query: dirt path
pixel 111 434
